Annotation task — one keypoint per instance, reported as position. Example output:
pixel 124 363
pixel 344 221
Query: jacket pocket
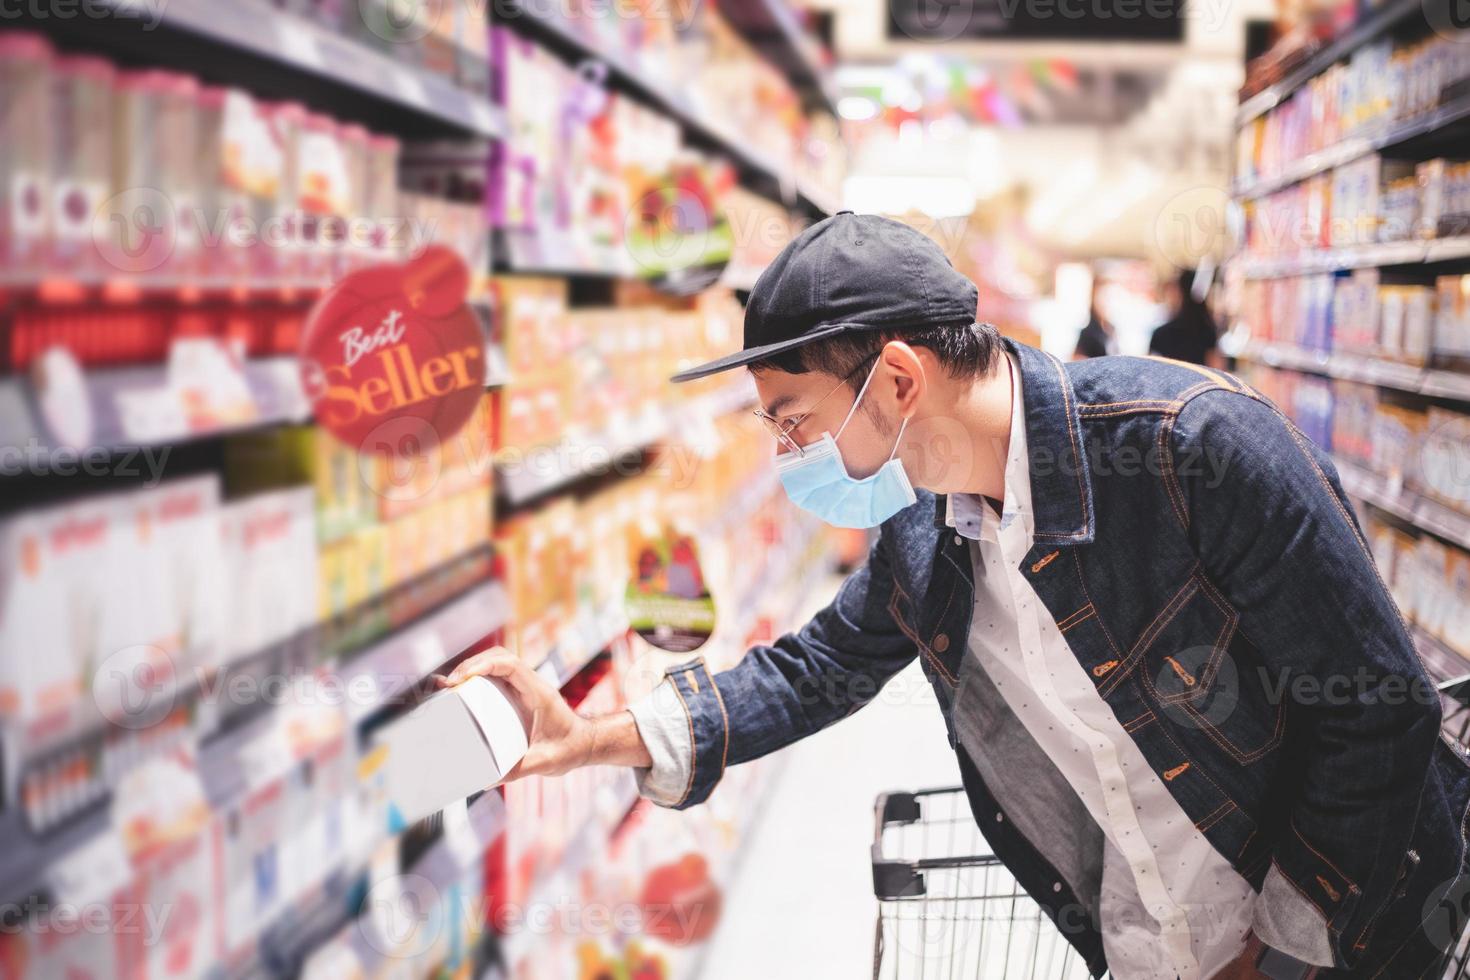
pixel 1205 676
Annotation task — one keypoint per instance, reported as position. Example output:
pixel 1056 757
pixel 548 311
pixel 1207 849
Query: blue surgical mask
pixel 817 481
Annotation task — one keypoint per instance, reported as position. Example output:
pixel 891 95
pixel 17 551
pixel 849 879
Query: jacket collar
pixel 1061 485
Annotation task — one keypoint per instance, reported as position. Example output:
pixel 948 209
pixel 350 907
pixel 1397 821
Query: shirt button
pixel 941 643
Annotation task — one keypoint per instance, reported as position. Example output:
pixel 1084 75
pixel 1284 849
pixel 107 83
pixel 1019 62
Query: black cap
pixel 847 273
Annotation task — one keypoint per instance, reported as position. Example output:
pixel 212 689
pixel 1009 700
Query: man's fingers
pixel 491 662
pixel 500 663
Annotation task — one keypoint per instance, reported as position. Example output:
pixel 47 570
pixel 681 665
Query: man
pixel 1187 715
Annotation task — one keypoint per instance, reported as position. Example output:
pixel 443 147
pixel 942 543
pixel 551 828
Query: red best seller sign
pixel 395 344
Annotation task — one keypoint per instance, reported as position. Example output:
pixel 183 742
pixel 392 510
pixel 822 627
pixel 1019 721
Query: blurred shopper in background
pixel 1098 337
pixel 1189 335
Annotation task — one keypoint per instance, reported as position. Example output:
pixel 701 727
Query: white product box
pixel 270 553
pixel 186 516
pixel 458 742
pixel 52 584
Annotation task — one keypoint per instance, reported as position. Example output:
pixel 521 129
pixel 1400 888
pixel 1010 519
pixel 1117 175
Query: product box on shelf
pixel 184 514
pixel 1355 315
pixel 1312 409
pixel 116 582
pixel 1444 458
pixel 291 455
pixel 1406 327
pixel 1398 432
pixel 1452 318
pixel 271 555
pixel 1444 198
pixel 1354 406
pixel 1433 585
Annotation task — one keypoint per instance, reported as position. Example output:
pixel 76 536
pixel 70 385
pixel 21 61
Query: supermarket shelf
pixel 32 869
pixel 525 475
pixel 547 24
pixel 1430 382
pixel 521 477
pixel 591 633
pixel 393 666
pixel 1414 508
pixel 615 799
pixel 131 408
pixel 429 877
pixel 1357 257
pixel 115 288
pixel 134 407
pixel 1349 150
pixel 1443 661
pixel 773 27
pixel 285 57
pixel 1371 27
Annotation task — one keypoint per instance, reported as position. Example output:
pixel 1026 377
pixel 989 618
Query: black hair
pixel 968 351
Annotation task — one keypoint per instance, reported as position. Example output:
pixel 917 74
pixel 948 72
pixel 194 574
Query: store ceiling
pixel 1109 142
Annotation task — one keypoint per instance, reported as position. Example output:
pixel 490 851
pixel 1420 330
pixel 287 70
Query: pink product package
pixel 25 78
pixel 81 149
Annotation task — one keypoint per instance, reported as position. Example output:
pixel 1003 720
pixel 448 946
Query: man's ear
pixel 906 367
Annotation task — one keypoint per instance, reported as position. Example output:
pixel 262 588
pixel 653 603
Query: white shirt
pixel 1171 904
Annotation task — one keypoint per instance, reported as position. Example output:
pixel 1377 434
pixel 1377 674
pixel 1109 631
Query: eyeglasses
pixel 782 428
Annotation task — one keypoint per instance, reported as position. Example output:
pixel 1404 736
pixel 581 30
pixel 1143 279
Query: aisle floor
pixel 801 904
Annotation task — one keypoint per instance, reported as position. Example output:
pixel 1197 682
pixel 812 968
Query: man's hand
pixel 560 739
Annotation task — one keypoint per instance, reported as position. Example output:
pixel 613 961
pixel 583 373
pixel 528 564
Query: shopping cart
pixel 947 907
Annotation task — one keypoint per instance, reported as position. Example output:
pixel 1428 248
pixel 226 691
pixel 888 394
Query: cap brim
pixel 752 354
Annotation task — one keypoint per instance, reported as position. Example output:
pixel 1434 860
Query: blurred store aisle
pixel 801 904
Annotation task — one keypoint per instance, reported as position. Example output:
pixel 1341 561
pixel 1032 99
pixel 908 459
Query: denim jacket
pixel 1212 579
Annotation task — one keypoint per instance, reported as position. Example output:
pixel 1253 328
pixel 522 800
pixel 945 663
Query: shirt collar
pixel 965 512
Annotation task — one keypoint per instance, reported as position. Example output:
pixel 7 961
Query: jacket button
pixel 958 539
pixel 941 643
